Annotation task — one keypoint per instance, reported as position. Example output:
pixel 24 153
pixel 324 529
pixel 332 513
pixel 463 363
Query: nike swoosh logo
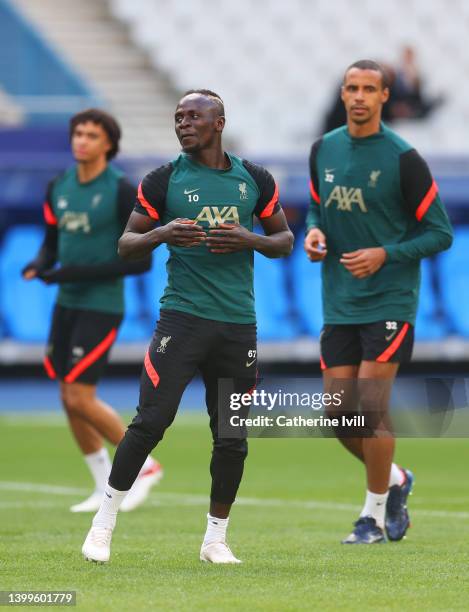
pixel 387 338
pixel 189 191
pixel 328 170
pixel 249 363
pixel 110 496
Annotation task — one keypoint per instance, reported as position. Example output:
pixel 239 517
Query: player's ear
pixel 219 124
pixel 385 95
pixel 342 90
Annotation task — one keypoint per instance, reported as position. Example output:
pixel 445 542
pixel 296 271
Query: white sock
pixel 397 475
pixel 375 506
pixel 216 529
pixel 100 465
pixel 107 513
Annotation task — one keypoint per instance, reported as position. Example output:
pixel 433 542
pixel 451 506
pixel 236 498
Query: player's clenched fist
pixel 315 245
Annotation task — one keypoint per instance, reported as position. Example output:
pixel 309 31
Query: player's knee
pixel 150 424
pixel 73 399
pixel 230 449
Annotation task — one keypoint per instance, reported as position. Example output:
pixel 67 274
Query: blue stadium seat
pixel 135 326
pixel 26 306
pixel 454 281
pixel 273 308
pixel 307 290
pixel 142 294
pixel 427 325
pixel 155 283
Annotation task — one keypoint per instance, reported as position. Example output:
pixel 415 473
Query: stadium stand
pixel 142 294
pixel 34 76
pixel 89 38
pixel 10 113
pixel 431 324
pixel 277 63
pixel 25 307
pixel 454 277
pixel 274 105
pixel 306 288
pixel 273 308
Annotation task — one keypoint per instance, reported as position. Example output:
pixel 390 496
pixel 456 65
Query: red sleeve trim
pixel 150 370
pixel 314 193
pixel 146 204
pixel 426 202
pixel 395 344
pixel 268 210
pixel 49 368
pixel 49 216
pixel 322 363
pixel 92 356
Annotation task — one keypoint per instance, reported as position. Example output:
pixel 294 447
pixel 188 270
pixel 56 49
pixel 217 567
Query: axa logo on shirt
pixel 73 222
pixel 213 215
pixel 346 197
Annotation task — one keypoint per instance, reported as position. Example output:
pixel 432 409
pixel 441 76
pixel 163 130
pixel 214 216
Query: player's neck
pixel 363 130
pixel 213 158
pixel 87 171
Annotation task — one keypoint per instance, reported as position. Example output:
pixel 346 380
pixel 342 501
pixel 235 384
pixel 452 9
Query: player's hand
pixel 364 262
pixel 229 238
pixel 183 233
pixel 315 245
pixel 29 273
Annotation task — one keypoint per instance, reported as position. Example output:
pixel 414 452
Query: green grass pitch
pixel 298 498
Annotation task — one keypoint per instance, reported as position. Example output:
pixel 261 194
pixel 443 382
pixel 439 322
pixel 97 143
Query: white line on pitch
pixel 161 498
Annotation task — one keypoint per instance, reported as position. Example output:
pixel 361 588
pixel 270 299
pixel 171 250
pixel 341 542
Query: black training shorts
pixel 382 341
pixel 79 344
pixel 183 345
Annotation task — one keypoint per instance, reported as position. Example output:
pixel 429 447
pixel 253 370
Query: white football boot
pixel 141 487
pixel 97 546
pixel 91 504
pixel 217 552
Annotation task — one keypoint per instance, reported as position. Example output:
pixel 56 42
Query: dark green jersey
pixel 370 192
pixel 211 286
pixel 89 219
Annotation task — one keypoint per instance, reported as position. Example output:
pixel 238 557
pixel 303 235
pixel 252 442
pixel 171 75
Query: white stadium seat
pixel 284 60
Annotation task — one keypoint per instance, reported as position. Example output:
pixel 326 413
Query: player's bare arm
pixel 141 237
pixel 315 244
pixel 277 241
pixel 364 262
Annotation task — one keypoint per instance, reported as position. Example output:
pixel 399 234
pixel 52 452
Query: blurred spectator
pixel 407 100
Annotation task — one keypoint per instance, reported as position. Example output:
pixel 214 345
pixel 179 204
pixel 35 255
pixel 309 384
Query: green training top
pixel 205 284
pixel 89 219
pixel 371 192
